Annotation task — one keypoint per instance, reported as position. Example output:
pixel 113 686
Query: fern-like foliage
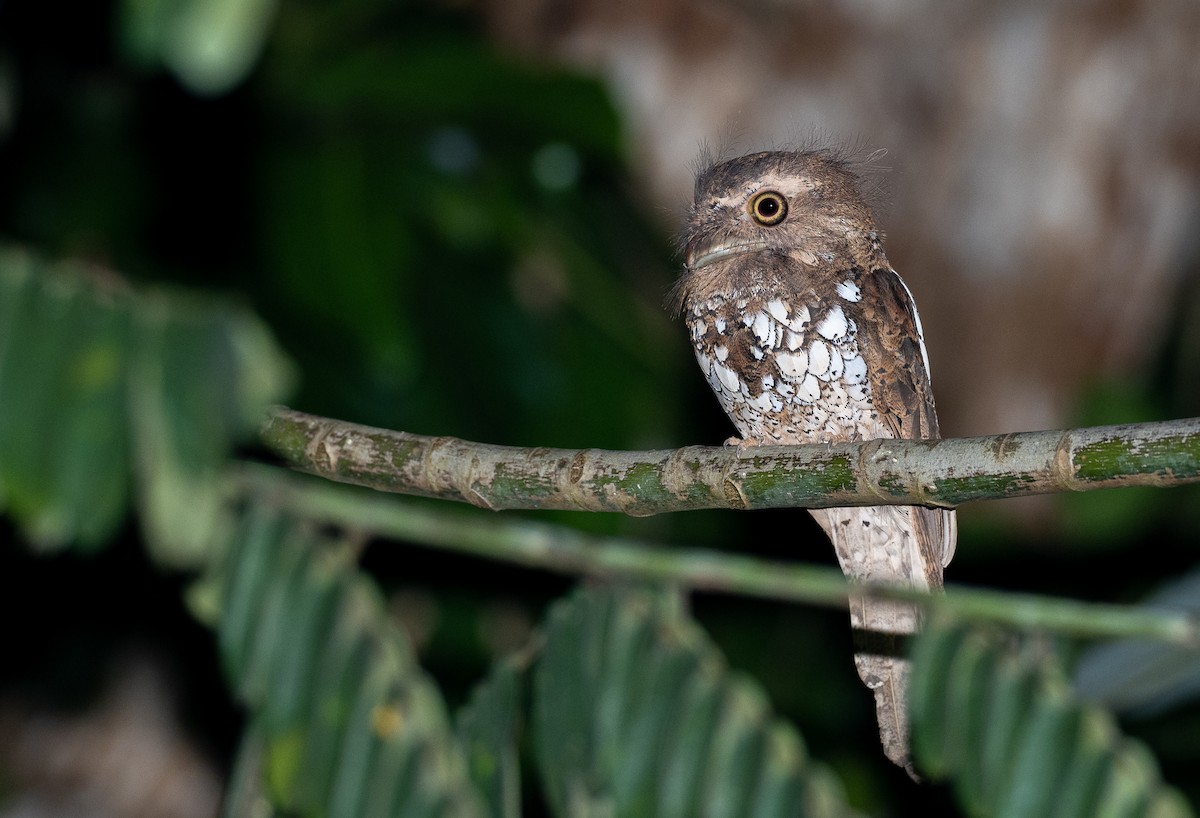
pixel 633 710
pixel 108 393
pixel 635 713
pixel 349 724
pixel 994 714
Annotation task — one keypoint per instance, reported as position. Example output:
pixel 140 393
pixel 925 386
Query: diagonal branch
pixel 877 472
pixel 559 549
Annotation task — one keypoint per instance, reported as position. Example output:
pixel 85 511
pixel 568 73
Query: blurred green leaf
pixel 210 45
pixel 449 215
pixel 992 714
pixel 244 793
pixel 1143 676
pixel 63 345
pixel 635 713
pixel 441 76
pixel 201 373
pixel 99 383
pixel 489 729
pixel 350 725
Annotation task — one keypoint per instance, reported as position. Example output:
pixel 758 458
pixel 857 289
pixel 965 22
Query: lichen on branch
pixel 876 472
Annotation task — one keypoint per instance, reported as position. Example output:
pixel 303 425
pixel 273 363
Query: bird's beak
pixel 702 252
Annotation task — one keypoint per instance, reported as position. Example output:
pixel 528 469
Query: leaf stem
pixel 564 550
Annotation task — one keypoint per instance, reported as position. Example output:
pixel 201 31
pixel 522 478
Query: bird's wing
pixel 900 387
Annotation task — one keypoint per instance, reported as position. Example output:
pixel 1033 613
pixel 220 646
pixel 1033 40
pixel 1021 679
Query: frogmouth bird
pixel 807 335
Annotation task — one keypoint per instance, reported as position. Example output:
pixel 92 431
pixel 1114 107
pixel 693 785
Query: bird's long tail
pixel 887 545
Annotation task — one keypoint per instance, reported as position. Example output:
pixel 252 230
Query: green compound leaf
pixel 635 713
pixel 201 375
pixel 103 387
pixel 489 729
pixel 64 341
pixel 346 723
pixel 993 714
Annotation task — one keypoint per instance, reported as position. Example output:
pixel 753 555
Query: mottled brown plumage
pixel 806 334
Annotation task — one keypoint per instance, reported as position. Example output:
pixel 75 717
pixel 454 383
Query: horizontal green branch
pixel 564 550
pixel 876 472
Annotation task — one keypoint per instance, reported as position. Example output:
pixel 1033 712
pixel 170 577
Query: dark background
pixel 453 229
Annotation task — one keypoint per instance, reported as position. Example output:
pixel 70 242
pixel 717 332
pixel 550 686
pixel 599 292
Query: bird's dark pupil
pixel 768 207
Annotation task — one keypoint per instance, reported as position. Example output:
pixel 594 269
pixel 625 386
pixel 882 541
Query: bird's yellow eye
pixel 768 208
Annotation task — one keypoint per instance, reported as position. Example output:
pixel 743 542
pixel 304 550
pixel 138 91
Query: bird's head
pixel 796 207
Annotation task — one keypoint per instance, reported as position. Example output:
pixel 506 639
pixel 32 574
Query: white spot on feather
pixel 795 320
pixel 762 402
pixel 849 291
pixel 818 358
pixel 794 339
pixel 835 367
pixel 834 324
pixel 722 353
pixel 818 416
pixel 856 370
pixel 727 377
pixel 764 329
pixel 792 365
pixel 809 389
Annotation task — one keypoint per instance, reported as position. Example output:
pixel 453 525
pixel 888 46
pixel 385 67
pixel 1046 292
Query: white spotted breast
pixel 786 371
